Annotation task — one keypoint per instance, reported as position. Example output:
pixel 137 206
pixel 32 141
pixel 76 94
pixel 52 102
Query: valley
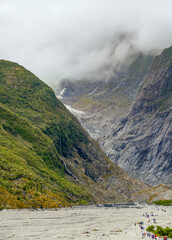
pixel 130 116
pixel 89 222
pixel 48 159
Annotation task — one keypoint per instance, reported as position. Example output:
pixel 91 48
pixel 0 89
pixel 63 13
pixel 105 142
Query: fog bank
pixel 59 39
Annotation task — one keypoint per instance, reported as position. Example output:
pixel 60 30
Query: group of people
pixel 153 220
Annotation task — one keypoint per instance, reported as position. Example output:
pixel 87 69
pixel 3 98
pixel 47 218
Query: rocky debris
pixel 156 193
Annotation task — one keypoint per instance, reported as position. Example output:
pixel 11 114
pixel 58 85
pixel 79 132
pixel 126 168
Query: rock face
pixel 141 143
pixel 105 101
pixel 46 158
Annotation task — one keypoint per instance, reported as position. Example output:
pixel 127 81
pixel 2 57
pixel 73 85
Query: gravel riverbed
pixel 81 223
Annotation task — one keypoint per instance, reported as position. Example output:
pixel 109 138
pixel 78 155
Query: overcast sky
pixel 58 39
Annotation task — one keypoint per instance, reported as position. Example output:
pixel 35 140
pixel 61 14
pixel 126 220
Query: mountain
pixel 103 102
pixel 46 158
pixel 141 142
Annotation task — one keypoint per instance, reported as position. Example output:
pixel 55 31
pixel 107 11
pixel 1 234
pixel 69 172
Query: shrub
pixel 160 231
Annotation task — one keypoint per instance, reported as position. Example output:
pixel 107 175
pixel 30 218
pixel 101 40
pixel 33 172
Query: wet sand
pixel 80 223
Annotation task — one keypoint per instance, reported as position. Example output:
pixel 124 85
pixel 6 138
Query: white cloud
pixel 64 38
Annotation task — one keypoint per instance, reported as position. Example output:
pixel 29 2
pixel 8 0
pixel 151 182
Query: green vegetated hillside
pixel 46 158
pixel 31 172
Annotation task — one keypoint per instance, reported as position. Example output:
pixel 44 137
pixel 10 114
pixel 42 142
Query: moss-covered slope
pixel 46 158
pixel 31 174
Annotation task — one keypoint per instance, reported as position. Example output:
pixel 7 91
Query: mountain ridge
pixel 135 115
pixel 144 135
pixel 46 158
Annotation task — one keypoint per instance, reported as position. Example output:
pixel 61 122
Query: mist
pixel 57 39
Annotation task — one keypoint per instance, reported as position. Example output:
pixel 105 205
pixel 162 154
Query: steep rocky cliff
pixel 141 143
pixel 46 158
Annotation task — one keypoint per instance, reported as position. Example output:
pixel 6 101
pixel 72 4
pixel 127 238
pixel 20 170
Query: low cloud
pixel 59 39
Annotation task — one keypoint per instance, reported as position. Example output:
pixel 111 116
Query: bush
pixel 163 202
pixel 160 231
pixel 150 228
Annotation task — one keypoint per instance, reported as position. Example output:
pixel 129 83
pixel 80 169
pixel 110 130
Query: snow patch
pixel 75 112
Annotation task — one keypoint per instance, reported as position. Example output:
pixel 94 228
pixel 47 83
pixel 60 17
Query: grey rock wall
pixel 141 143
